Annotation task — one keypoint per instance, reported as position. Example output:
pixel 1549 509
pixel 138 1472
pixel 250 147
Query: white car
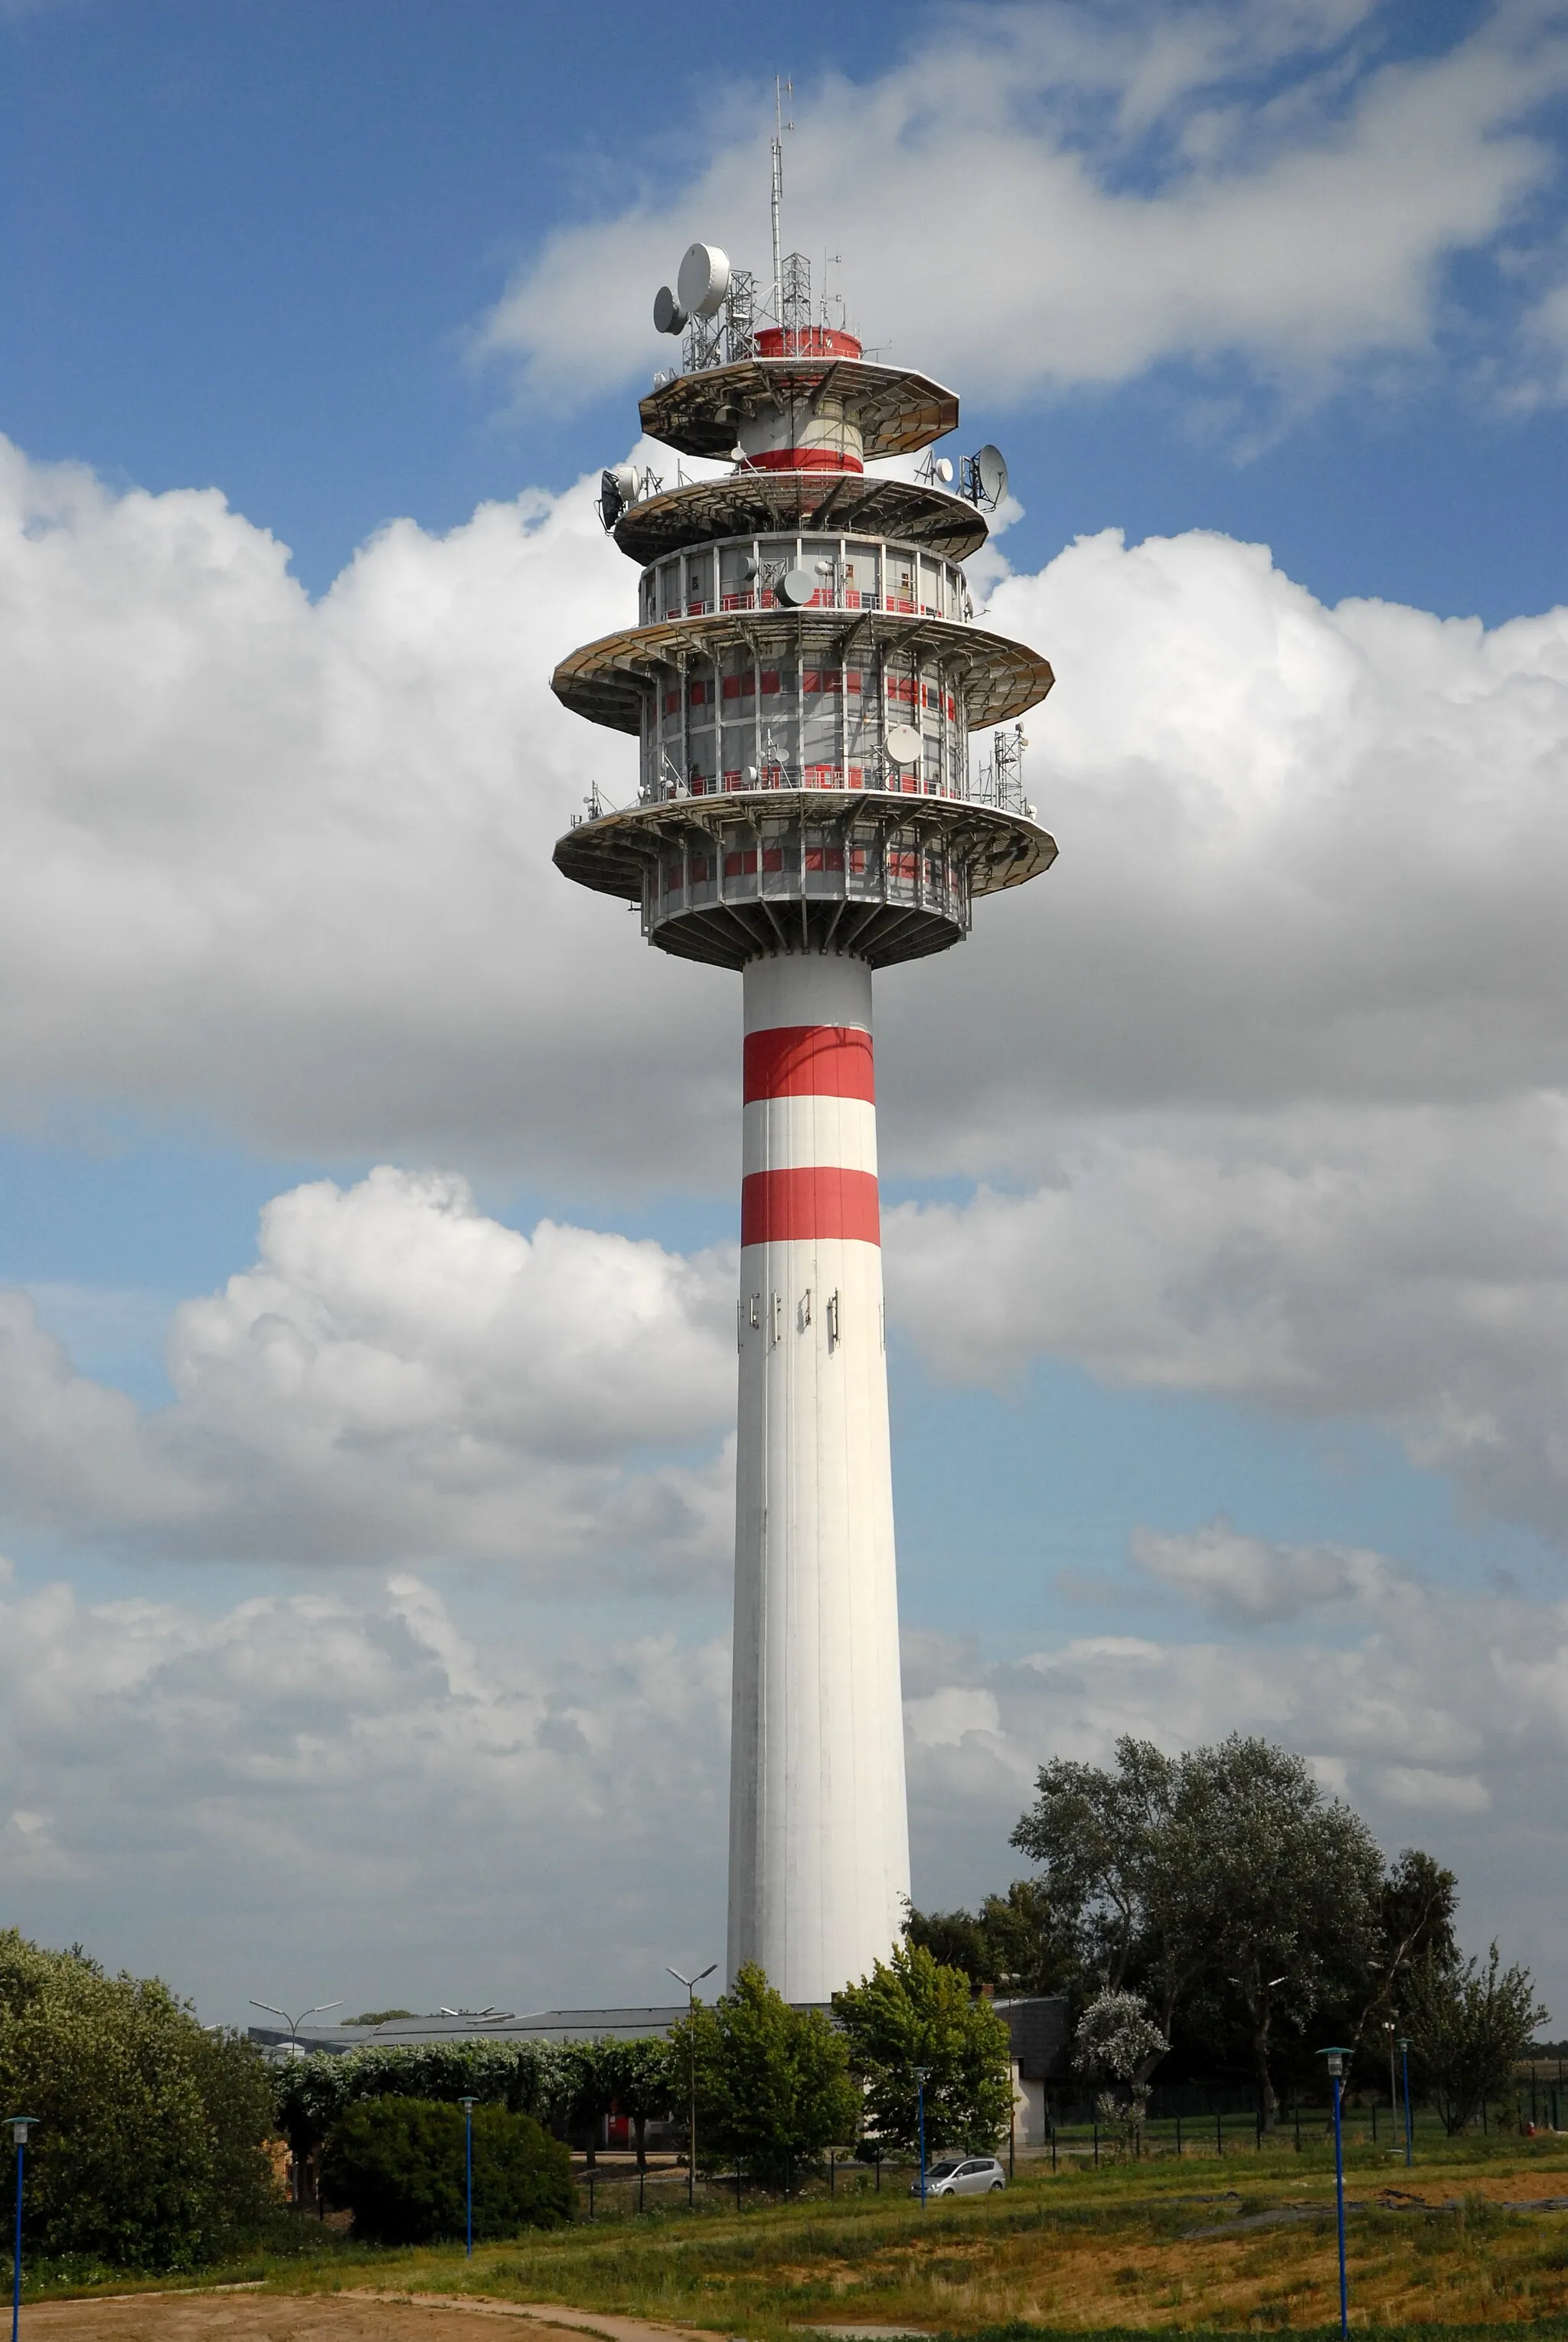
pixel 977 2174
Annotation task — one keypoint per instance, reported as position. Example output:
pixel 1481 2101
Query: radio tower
pixel 803 680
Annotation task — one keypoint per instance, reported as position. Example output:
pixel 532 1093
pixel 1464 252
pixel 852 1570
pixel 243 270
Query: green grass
pixel 1106 2252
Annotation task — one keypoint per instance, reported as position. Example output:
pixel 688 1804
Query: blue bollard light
pixel 1336 2058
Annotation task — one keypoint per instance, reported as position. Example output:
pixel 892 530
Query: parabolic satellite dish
pixel 903 743
pixel 990 475
pixel 669 317
pixel 704 280
pixel 612 495
pixel 795 588
pixel 944 471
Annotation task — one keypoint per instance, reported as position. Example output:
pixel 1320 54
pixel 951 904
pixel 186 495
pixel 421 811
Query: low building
pixel 1041 2034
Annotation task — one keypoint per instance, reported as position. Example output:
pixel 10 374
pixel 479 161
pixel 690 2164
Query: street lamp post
pixel 1409 2135
pixel 921 2076
pixel 467 2107
pixel 690 1984
pixel 20 2127
pixel 293 2024
pixel 1336 2058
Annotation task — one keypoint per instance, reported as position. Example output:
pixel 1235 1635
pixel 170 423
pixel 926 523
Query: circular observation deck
pixel 751 503
pixel 612 680
pixel 882 410
pixel 728 880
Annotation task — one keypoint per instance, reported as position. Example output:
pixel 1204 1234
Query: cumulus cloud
pixel 400 1375
pixel 421 1804
pixel 1137 184
pixel 1249 1581
pixel 288 866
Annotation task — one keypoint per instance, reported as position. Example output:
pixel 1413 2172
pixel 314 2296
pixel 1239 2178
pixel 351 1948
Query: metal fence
pixel 615 2191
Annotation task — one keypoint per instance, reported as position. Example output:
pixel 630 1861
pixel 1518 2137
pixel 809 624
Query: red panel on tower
pixel 809 1060
pixel 810 1205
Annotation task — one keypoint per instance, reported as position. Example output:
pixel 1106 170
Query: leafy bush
pixel 151 2148
pixel 397 2165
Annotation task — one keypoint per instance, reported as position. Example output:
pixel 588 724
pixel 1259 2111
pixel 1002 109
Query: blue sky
pixel 1224 1272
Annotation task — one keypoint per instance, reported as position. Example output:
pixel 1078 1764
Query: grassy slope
pixel 1086 2250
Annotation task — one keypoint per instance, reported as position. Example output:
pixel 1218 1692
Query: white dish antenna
pixel 702 282
pixel 795 588
pixel 942 470
pixel 669 316
pixel 903 743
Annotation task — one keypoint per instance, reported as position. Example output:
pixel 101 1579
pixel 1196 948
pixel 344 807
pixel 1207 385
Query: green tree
pixel 151 2150
pixel 378 2017
pixel 644 2084
pixel 1288 1887
pixel 1016 1942
pixel 398 2165
pixel 583 2088
pixel 1224 1870
pixel 911 2012
pixel 772 2081
pixel 1467 2026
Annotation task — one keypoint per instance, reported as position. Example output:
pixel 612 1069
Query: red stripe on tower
pixel 809 1060
pixel 811 1205
pixel 804 459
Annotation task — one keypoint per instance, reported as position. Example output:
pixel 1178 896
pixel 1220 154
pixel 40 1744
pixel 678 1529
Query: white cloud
pixel 1421 1790
pixel 1248 1580
pixel 287 868
pixel 945 1719
pixel 400 1375
pixel 347 1792
pixel 1133 186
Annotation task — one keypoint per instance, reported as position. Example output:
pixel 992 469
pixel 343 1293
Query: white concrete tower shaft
pixel 819 1839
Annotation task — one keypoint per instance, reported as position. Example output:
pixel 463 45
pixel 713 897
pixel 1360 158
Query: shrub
pixel 397 2165
pixel 311 2094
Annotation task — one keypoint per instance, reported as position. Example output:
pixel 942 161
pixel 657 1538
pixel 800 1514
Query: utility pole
pixel 690 1984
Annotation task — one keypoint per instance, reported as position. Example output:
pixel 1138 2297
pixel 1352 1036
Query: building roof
pixel 543 2024
pixel 1038 2030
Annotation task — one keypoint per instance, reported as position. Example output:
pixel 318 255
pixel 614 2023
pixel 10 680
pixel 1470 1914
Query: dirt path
pixel 244 2314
